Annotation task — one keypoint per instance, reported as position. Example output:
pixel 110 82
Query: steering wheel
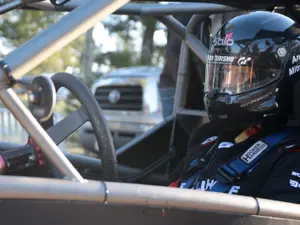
pixel 89 111
pixel 15 160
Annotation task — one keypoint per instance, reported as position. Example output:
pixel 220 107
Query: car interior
pixel 41 185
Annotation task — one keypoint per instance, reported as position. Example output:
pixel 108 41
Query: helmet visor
pixel 234 75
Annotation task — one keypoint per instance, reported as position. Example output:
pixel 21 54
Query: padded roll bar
pixel 142 195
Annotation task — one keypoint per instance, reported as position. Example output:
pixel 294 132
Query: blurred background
pixel 120 60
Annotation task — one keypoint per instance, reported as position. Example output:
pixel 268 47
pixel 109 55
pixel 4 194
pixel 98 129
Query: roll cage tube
pixel 48 42
pixel 17 159
pixel 32 54
pixel 115 193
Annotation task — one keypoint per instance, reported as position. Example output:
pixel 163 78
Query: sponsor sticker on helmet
pixel 222 59
pixel 254 151
pixel 296 68
pixel 257 100
pixel 243 61
pixel 281 52
pixel 295 59
pixel 227 41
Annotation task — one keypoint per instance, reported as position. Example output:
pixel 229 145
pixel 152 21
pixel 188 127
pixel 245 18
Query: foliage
pixel 127 27
pixel 20 26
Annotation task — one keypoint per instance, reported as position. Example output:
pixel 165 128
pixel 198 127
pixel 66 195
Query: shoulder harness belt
pixel 229 173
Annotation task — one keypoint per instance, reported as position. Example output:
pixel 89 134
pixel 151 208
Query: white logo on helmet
pixel 296 58
pixel 243 61
pixel 227 41
pixel 296 68
pixel 282 51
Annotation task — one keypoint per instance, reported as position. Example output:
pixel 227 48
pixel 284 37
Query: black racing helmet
pixel 252 67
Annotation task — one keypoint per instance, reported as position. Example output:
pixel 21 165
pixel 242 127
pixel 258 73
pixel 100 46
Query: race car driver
pixel 250 146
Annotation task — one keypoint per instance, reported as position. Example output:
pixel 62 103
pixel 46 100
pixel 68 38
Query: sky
pixel 109 41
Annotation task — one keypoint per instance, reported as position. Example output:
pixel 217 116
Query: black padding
pixel 297 100
pixel 83 213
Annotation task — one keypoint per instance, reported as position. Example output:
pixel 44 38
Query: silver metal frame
pixel 82 18
pixel 155 9
pixel 57 36
pixel 143 195
pixel 36 51
pixel 189 43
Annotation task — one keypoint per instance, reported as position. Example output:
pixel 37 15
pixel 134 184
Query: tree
pixel 147 44
pixel 19 26
pixel 88 58
pixel 126 27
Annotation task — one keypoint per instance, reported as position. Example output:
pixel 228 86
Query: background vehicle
pixel 130 100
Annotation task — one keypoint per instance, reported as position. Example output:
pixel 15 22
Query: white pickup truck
pixel 130 100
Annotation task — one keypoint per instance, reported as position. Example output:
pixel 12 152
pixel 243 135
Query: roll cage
pixel 83 15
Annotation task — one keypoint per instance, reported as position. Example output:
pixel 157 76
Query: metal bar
pixel 164 197
pixel 160 9
pixel 154 9
pixel 195 21
pixel 3 2
pixel 191 41
pixel 17 187
pixel 10 6
pixel 216 21
pixel 182 78
pixel 174 25
pixel 35 51
pixel 197 47
pixel 192 112
pixel 184 33
pixel 143 195
pixel 53 189
pixel 278 209
pixel 126 194
pixel 23 115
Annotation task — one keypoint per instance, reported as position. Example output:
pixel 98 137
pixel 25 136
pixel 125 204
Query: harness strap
pixel 227 174
pixel 190 163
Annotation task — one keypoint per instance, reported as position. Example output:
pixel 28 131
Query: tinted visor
pixel 234 75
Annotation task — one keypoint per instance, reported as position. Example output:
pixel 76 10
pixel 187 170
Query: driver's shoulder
pixel 283 181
